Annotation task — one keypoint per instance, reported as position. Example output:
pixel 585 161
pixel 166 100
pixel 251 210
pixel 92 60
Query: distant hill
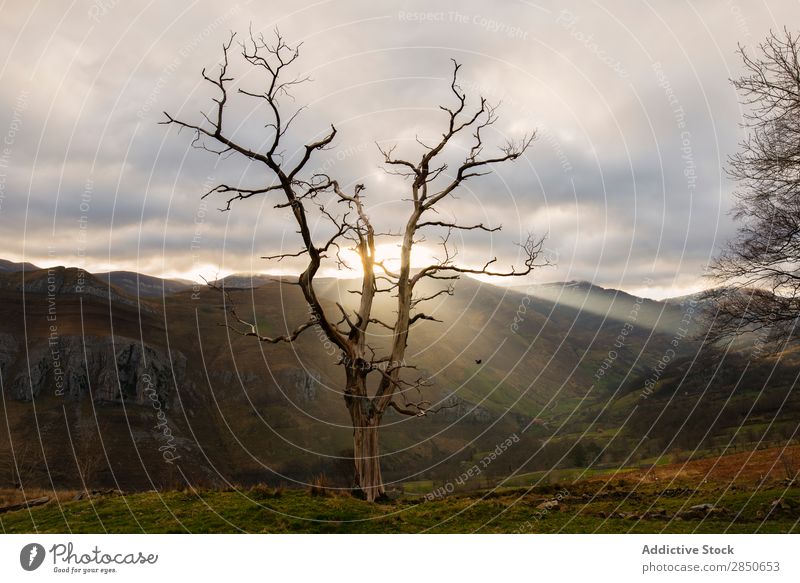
pixel 128 281
pixel 249 280
pixel 610 303
pixel 144 285
pixel 10 266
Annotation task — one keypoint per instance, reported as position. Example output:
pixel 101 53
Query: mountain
pixel 144 285
pixel 10 266
pixel 141 390
pixel 247 280
pixel 587 297
pixel 130 282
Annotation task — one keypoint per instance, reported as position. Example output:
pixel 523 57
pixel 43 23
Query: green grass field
pixel 582 508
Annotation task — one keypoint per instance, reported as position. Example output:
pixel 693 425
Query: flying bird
pixel 478 360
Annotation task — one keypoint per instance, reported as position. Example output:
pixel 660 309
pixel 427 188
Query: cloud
pixel 633 108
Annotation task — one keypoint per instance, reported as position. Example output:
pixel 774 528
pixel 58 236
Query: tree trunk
pixel 366 421
pixel 368 478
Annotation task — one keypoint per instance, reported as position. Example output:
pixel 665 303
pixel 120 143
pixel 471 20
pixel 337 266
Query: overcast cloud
pixel 631 101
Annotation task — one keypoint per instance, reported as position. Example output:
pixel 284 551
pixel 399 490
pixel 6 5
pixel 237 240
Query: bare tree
pixel 304 192
pixel 760 268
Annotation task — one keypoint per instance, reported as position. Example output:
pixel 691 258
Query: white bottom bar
pixel 402 558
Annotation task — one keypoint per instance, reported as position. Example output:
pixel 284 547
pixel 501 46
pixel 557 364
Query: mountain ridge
pixel 149 284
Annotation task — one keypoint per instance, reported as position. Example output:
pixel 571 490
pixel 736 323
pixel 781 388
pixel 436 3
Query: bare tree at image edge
pixel 760 268
pixel 304 194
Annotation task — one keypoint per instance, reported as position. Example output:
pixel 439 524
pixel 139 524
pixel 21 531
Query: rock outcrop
pixel 106 370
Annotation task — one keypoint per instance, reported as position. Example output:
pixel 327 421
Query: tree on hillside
pixel 760 267
pixel 309 195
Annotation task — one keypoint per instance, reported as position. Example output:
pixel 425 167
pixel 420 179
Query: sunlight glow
pixel 389 253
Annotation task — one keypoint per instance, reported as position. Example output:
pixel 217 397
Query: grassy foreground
pixel 296 511
pixel 740 493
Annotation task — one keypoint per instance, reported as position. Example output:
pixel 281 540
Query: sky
pixel 632 105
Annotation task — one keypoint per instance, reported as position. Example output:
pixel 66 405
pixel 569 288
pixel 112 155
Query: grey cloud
pixel 613 90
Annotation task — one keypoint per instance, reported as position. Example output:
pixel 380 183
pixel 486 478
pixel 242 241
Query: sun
pixel 389 254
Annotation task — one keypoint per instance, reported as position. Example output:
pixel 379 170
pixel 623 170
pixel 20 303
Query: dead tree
pixel 760 268
pixel 303 192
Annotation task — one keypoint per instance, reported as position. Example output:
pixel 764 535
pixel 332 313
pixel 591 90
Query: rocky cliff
pixel 109 369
